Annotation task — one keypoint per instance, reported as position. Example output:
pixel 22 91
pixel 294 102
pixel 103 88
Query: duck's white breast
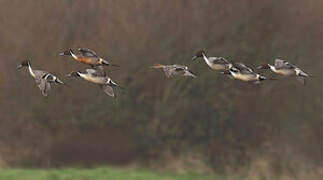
pixel 245 77
pixel 93 79
pixel 285 72
pixel 218 67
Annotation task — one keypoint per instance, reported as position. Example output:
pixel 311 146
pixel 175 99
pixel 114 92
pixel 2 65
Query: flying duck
pixel 174 70
pixel 43 79
pixel 215 63
pixel 242 72
pixel 97 76
pixel 283 67
pixel 87 56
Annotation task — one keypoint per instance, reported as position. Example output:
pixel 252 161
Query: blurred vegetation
pixel 125 173
pixel 156 120
pixel 99 173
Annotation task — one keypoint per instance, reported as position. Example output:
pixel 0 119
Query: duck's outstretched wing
pixel 97 71
pixel 90 71
pixel 219 60
pixel 173 70
pixel 242 68
pixel 189 73
pixel 179 69
pixel 87 52
pixel 283 64
pixel 43 85
pixel 301 80
pixel 169 71
pixel 108 90
pixel 182 70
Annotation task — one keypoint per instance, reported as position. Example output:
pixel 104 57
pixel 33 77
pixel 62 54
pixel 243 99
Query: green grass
pixel 98 174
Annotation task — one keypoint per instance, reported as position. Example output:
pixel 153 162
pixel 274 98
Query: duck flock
pixel 97 75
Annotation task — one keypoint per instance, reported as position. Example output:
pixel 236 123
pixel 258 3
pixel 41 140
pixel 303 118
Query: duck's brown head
pixel 199 54
pixel 24 63
pixel 264 66
pixel 67 53
pixel 73 74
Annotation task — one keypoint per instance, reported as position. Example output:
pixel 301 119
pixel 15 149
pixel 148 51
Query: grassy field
pixel 98 174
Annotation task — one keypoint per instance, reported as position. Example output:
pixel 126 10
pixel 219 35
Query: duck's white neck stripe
pixel 82 75
pixel 208 62
pixel 272 68
pixel 204 57
pixel 73 55
pixel 31 71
